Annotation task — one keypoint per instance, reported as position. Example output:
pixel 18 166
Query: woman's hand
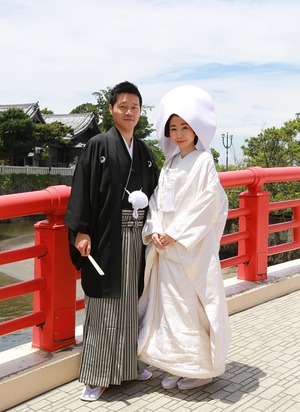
pixel 83 243
pixel 161 241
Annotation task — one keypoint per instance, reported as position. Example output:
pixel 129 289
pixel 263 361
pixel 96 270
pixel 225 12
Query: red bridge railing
pixel 54 283
pixel 253 215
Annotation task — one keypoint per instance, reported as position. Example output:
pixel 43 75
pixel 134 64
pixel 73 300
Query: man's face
pixel 126 112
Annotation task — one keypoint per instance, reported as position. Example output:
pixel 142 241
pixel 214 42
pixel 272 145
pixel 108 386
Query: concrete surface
pixel 262 372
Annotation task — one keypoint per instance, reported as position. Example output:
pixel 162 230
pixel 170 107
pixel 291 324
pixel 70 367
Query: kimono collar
pixel 129 148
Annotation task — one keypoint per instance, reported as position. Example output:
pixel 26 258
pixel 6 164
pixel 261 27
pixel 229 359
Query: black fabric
pixel 95 206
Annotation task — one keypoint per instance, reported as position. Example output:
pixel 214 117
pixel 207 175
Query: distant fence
pixel 33 170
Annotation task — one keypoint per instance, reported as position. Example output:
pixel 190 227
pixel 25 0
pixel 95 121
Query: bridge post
pixel 257 224
pixel 58 299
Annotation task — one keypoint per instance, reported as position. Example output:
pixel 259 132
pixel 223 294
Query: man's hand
pixel 83 243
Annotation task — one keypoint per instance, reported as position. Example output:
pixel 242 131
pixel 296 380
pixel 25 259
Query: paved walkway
pixel 262 373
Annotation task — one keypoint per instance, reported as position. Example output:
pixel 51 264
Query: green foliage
pixel 47 111
pixel 222 168
pixel 16 135
pixel 102 109
pixel 280 191
pixel 86 108
pixel 157 152
pixel 52 133
pixel 215 155
pixel 144 129
pixel 274 147
pixel 20 183
pixel 5 184
pixel 19 135
pixel 233 196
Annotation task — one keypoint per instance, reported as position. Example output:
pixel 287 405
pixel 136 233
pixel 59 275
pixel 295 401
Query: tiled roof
pixel 32 109
pixel 79 122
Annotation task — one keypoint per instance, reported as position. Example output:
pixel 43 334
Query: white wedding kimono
pixel 183 318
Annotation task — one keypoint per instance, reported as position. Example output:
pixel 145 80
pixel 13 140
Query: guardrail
pixel 54 283
pixel 34 170
pixel 253 215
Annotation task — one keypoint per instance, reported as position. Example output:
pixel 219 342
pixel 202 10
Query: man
pixel 101 223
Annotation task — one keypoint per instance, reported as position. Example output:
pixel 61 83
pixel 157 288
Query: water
pixel 14 236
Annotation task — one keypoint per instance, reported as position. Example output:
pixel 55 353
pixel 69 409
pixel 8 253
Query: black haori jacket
pixel 95 206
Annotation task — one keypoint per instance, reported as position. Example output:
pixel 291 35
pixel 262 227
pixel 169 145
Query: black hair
pixel 124 87
pixel 167 128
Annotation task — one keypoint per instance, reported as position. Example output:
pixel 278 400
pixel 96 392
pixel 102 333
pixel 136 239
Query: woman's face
pixel 182 135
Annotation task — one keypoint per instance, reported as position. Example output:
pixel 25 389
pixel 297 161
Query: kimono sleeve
pixel 152 224
pixel 203 207
pixel 78 212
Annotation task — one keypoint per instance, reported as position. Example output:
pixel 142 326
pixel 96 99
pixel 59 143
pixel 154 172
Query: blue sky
pixel 244 53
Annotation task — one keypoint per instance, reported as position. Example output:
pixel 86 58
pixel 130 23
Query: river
pixel 14 236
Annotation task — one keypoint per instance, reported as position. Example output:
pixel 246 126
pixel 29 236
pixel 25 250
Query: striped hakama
pixel 111 325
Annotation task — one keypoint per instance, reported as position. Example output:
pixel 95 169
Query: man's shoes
pixel 187 383
pixel 143 376
pixel 170 381
pixel 91 394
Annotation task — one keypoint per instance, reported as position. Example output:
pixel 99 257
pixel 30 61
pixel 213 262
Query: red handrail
pixel 51 201
pixel 54 283
pixel 21 288
pixel 29 252
pixel 26 321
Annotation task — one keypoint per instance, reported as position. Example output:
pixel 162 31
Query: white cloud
pixel 243 52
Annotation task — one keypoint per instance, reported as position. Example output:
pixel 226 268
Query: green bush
pixel 20 183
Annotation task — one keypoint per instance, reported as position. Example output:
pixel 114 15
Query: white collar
pixel 129 148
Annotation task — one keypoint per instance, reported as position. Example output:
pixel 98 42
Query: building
pixel 84 127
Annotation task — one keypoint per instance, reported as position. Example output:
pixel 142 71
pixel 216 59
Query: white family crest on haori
pixel 139 200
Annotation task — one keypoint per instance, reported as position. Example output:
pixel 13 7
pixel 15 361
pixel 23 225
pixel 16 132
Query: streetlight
pixel 227 145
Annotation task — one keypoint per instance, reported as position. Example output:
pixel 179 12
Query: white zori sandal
pixel 90 394
pixel 187 383
pixel 170 381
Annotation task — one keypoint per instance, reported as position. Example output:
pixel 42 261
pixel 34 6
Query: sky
pixel 244 53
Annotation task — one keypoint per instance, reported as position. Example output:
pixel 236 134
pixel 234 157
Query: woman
pixel 184 326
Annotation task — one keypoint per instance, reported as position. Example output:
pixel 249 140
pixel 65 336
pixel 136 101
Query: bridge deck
pixel 262 373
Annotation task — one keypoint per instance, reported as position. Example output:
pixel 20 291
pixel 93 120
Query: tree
pixel 52 133
pixel 16 135
pixel 157 152
pixel 19 135
pixel 86 108
pixel 102 110
pixel 215 155
pixel 274 147
pixel 47 111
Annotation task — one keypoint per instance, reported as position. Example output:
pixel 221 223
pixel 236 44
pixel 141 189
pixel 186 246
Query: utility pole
pixel 227 143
